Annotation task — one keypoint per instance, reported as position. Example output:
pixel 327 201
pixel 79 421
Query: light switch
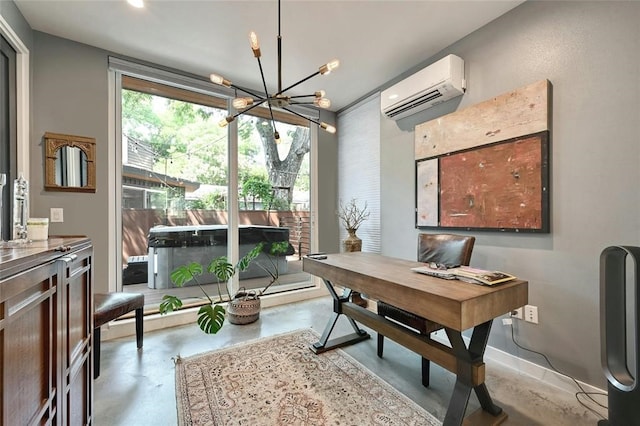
pixel 57 215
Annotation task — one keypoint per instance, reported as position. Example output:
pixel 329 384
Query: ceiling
pixel 375 41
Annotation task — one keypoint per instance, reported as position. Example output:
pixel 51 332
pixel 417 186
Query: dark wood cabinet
pixel 46 299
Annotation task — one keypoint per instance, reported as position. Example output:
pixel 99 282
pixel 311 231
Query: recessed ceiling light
pixel 136 3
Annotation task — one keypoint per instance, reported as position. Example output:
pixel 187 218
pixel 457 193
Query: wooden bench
pixel 108 307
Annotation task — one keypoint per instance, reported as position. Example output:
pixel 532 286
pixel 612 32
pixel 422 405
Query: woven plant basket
pixel 244 308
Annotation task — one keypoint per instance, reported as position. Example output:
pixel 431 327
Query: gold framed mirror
pixel 69 163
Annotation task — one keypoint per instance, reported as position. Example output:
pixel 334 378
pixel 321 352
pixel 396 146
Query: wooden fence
pixel 299 224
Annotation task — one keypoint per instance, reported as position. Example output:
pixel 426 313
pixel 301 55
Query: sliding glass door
pixel 175 206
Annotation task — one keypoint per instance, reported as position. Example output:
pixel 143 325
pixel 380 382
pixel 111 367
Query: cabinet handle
pixel 69 258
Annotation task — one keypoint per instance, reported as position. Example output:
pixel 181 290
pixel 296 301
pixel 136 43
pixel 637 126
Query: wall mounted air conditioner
pixel 437 83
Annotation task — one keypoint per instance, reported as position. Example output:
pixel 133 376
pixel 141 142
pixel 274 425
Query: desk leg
pixel 464 382
pixel 324 344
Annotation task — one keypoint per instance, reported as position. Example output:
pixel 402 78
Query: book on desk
pixel 467 274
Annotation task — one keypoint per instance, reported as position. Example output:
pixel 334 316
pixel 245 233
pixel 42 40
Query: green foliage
pixel 280 204
pixel 221 268
pixel 211 318
pixel 183 112
pixel 275 249
pixel 195 205
pixel 170 303
pixel 138 117
pixel 246 126
pixel 183 137
pixel 249 257
pixel 256 187
pixel 215 201
pixel 209 201
pixel 279 248
pixel 186 143
pixel 185 273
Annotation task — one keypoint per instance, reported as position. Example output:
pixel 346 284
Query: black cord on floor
pixel 581 392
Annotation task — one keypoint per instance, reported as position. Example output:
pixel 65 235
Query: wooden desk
pixel 456 305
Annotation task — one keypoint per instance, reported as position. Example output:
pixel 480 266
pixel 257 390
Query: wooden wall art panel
pixel 468 176
pixel 521 112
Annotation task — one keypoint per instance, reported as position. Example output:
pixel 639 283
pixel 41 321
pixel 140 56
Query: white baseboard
pixel 525 367
pixel 536 371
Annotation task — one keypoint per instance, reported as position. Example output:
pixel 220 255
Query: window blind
pixel 359 166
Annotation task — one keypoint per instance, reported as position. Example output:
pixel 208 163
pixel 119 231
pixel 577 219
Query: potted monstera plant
pixel 244 306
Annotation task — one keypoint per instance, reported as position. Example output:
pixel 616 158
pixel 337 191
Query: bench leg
pixel 380 345
pixel 139 326
pixel 96 352
pixel 426 367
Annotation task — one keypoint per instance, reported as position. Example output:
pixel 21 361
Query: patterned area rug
pixel 280 381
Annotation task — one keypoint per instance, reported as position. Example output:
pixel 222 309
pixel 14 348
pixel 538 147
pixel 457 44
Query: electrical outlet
pixel 57 215
pixel 517 313
pixel 531 314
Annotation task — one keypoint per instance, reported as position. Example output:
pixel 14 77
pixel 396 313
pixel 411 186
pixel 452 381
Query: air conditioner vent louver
pixel 400 109
pixel 437 83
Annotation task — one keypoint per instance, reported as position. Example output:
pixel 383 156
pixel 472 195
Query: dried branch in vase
pixel 352 215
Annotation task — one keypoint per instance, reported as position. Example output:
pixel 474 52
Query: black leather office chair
pixel 448 249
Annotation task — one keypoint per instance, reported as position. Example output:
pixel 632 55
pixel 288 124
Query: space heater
pixel 619 333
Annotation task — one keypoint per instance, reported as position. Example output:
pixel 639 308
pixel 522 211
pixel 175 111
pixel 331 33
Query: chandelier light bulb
pixel 330 66
pixel 240 103
pixel 255 45
pixel 319 94
pixel 327 127
pixel 276 136
pixel 218 79
pixel 322 102
pixel 225 121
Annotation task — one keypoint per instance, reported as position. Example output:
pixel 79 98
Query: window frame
pixel 22 86
pixel 165 83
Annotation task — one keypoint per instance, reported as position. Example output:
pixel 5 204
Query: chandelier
pixel 279 99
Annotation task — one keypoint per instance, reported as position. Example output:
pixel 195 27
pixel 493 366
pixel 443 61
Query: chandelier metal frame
pixel 278 99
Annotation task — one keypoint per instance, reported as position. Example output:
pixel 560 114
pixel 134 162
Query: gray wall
pixel 70 95
pixel 16 21
pixel 328 232
pixel 590 51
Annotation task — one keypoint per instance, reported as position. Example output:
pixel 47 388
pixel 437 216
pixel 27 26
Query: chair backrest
pixel 449 249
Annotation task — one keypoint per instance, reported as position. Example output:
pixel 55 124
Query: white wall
pixel 590 51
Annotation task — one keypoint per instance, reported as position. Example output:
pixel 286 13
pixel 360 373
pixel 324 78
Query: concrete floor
pixel 138 387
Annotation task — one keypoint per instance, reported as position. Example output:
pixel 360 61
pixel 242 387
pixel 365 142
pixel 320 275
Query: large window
pixel 175 197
